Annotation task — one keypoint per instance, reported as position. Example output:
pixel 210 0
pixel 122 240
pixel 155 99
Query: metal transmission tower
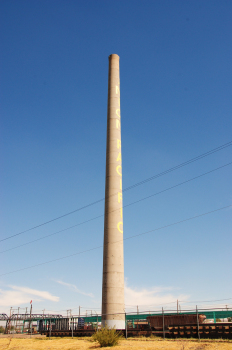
pixel 113 308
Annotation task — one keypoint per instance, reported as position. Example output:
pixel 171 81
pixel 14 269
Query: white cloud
pixel 42 294
pixel 21 295
pixel 153 298
pixel 73 287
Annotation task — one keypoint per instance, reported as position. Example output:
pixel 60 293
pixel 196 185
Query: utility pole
pixel 69 311
pixel 126 325
pixel 30 317
pixel 79 311
pixel 137 309
pixel 9 325
pixel 25 317
pixel 50 329
pixel 163 323
pixel 17 321
pixel 197 324
pixel 177 306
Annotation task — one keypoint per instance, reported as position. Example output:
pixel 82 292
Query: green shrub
pixel 107 337
pixel 2 329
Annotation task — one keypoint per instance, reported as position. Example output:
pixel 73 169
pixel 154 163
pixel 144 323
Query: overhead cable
pixel 125 239
pixel 126 189
pixel 181 301
pixel 125 206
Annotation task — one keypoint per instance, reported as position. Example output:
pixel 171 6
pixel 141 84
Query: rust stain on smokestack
pixel 113 307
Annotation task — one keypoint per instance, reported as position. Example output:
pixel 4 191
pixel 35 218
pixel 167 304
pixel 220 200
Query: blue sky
pixel 176 84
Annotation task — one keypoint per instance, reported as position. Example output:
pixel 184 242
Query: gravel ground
pixel 41 343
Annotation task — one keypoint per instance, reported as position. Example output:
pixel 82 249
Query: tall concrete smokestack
pixel 113 307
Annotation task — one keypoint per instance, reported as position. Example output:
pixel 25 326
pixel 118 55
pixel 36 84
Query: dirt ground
pixel 130 344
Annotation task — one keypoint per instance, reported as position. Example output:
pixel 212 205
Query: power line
pixel 147 305
pixel 179 184
pixel 125 239
pixel 51 234
pixel 127 188
pixel 151 311
pixel 182 301
pixel 97 217
pixel 180 165
pixel 204 301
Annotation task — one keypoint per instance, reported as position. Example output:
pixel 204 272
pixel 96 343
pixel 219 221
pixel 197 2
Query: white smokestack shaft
pixel 113 307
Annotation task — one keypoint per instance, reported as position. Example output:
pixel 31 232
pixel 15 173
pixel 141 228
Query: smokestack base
pixel 117 324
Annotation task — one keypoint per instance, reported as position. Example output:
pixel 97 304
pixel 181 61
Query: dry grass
pixel 130 344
